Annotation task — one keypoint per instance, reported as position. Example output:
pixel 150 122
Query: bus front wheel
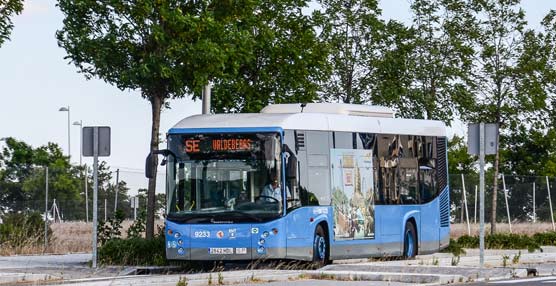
pixel 410 241
pixel 320 247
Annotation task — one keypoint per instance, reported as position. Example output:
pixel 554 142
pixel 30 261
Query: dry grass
pixel 460 229
pixel 67 237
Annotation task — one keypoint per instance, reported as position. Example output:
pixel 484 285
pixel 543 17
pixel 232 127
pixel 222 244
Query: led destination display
pixel 218 145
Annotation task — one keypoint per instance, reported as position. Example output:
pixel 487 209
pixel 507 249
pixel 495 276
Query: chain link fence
pixel 132 186
pixel 527 199
pixel 520 199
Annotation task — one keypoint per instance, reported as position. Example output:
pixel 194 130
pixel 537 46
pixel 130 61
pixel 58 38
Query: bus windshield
pixel 224 178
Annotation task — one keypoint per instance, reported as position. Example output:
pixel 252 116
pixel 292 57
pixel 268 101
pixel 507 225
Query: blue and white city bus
pixel 313 182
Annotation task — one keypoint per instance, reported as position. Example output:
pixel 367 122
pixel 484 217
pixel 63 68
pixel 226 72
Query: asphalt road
pixel 536 281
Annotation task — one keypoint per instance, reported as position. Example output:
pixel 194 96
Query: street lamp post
pixel 80 124
pixel 69 133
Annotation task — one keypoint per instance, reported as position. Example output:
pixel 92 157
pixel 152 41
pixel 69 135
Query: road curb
pixel 13 278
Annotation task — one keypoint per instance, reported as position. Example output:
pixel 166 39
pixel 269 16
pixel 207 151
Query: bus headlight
pixel 265 234
pixel 261 241
pixel 181 251
pixel 177 235
pixel 260 250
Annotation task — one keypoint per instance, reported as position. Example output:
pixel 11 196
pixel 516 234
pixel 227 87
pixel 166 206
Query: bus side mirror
pixel 149 172
pixel 149 166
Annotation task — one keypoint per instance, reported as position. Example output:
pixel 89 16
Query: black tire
pixel 320 247
pixel 409 241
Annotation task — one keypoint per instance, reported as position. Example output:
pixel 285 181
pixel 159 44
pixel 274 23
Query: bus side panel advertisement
pixel 352 193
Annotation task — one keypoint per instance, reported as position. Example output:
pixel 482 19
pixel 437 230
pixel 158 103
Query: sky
pixel 36 80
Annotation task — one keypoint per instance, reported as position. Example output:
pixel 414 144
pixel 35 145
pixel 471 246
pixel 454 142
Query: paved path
pixel 47 261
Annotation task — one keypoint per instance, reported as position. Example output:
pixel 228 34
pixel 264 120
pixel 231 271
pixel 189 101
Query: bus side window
pixel 427 169
pixel 291 170
pixel 388 161
pixel 409 189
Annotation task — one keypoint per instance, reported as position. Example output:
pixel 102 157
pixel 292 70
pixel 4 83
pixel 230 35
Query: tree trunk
pixel 494 191
pixel 156 104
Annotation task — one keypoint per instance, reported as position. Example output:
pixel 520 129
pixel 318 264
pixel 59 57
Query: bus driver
pixel 272 190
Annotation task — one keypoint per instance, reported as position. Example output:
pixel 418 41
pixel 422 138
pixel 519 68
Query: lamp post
pixel 80 124
pixel 69 134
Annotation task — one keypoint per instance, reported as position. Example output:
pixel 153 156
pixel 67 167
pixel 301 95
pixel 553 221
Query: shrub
pixel 133 251
pixel 545 238
pixel 454 248
pixel 502 241
pixel 22 230
pixel 138 227
pixel 110 229
pixel 467 241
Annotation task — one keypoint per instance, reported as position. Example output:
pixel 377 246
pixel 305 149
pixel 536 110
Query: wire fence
pixel 520 199
pixel 118 192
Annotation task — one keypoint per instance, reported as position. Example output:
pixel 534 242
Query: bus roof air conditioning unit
pixel 332 108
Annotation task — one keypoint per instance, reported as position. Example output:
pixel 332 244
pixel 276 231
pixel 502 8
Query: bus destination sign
pixel 205 145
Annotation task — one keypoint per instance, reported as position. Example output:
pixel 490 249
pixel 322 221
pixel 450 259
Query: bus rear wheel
pixel 410 241
pixel 320 247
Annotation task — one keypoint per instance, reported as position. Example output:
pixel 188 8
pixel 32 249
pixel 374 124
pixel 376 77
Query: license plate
pixel 221 250
pixel 241 250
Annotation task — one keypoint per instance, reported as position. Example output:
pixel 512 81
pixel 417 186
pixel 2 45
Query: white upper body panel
pixel 317 122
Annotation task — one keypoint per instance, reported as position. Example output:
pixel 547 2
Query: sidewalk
pixel 434 269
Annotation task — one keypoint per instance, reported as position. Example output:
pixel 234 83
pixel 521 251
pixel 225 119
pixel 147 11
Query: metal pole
pixel 86 196
pixel 105 212
pixel 134 199
pixel 206 99
pixel 46 212
pixel 482 193
pixel 117 188
pixel 475 210
pixel 550 203
pixel 462 205
pixel 81 142
pixel 465 203
pixel 69 136
pixel 507 205
pixel 95 194
pixel 534 211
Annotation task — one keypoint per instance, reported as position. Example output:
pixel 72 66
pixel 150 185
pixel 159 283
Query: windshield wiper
pixel 240 213
pixel 211 216
pixel 188 217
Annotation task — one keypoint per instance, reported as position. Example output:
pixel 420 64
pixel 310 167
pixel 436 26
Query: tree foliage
pixel 354 32
pixel 436 61
pixel 22 174
pixel 165 49
pixel 169 49
pixel 23 181
pixel 286 62
pixel 8 8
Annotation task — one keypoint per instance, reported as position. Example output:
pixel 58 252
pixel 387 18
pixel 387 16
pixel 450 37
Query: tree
pixel 287 62
pixel 354 33
pixel 436 61
pixel 165 49
pixel 459 161
pixel 8 8
pixel 22 177
pixel 503 77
